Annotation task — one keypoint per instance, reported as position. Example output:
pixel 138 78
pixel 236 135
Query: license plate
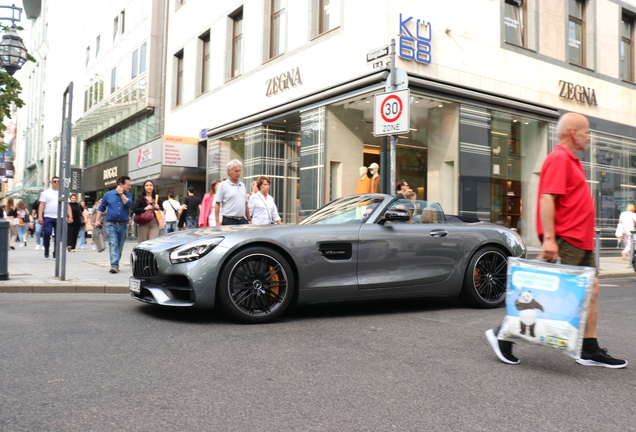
pixel 135 285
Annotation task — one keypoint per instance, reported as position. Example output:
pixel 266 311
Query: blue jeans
pixel 191 222
pixel 82 237
pixel 38 233
pixel 47 230
pixel 22 233
pixel 170 226
pixel 116 239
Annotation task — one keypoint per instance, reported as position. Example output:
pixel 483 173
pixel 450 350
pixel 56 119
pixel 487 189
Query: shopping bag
pixel 160 218
pixel 99 237
pixel 546 304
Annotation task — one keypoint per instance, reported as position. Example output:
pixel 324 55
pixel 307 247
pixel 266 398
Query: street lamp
pixel 13 53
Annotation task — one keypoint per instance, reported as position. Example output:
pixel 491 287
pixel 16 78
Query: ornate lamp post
pixel 13 53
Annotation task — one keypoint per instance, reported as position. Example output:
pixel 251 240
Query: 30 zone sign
pixel 391 113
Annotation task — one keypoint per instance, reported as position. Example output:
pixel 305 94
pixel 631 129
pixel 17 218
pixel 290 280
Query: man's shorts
pixel 571 255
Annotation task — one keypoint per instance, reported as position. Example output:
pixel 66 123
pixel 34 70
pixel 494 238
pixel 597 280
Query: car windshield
pixel 352 209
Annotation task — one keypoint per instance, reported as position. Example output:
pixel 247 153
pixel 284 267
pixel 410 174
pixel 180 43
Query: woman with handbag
pixel 206 216
pixel 12 217
pixel 144 209
pixel 625 226
pixel 262 206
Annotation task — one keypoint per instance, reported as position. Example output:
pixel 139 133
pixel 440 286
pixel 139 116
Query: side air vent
pixel 335 251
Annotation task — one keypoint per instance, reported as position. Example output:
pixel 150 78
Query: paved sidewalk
pixel 87 271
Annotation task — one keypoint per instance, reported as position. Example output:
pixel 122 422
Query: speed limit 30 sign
pixel 391 114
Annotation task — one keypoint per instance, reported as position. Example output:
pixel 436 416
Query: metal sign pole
pixel 65 180
pixel 394 138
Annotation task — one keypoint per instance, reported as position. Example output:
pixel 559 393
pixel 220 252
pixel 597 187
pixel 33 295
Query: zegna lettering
pixel 110 173
pixel 578 93
pixel 283 82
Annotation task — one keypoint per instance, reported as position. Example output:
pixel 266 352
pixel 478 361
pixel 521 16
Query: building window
pixel 576 32
pixel 237 43
pixel 515 22
pixel 113 80
pixel 142 59
pixel 178 99
pixel 97 45
pixel 328 15
pixel 88 55
pixel 122 21
pixel 277 28
pixel 115 27
pixel 135 63
pixel 178 3
pixel 627 48
pixel 205 62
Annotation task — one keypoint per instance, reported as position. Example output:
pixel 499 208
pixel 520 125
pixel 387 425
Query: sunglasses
pixel 55 181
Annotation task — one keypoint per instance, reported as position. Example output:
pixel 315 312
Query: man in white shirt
pixel 171 207
pixel 47 214
pixel 231 197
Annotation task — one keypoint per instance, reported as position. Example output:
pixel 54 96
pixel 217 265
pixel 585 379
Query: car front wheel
pixel 256 286
pixel 485 279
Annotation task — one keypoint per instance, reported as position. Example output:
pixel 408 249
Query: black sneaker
pixel 46 254
pixel 601 358
pixel 503 349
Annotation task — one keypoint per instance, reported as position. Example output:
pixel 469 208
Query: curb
pixel 67 289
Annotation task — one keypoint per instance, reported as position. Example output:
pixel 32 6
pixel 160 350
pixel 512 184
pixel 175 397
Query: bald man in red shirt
pixel 565 224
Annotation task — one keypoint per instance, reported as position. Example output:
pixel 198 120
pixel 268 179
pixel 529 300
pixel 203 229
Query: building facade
pixel 288 88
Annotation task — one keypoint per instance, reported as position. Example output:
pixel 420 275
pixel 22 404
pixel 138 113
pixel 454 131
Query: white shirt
pixel 263 209
pixel 50 199
pixel 171 206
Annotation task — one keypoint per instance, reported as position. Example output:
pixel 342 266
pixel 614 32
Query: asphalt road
pixel 103 362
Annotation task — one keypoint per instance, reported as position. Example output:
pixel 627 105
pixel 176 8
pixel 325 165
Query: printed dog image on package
pixel 547 304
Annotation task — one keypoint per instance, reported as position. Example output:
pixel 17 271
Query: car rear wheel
pixel 485 279
pixel 256 286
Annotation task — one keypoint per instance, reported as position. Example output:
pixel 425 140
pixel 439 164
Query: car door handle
pixel 439 233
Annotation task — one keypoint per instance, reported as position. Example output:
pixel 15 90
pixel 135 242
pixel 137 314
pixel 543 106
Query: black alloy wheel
pixel 485 279
pixel 256 286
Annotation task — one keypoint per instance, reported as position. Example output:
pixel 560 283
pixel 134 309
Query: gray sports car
pixel 358 247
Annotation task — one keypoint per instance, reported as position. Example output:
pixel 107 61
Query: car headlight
pixel 194 250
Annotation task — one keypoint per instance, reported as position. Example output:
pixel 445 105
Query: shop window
pixel 237 43
pixel 576 32
pixel 515 22
pixel 627 48
pixel 277 28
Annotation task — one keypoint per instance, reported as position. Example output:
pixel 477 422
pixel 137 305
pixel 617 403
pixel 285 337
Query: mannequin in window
pixel 364 184
pixel 375 178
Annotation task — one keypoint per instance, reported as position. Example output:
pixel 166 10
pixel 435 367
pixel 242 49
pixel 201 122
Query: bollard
pixel 4 249
pixel 597 249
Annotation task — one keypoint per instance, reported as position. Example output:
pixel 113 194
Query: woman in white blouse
pixel 262 206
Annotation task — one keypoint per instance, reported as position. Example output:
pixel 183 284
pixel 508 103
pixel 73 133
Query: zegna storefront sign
pixel 577 92
pixel 415 40
pixel 283 82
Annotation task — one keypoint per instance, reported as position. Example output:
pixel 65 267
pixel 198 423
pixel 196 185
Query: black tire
pixel 485 279
pixel 256 286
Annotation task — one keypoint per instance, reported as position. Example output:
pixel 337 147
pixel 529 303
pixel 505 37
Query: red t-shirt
pixel 562 175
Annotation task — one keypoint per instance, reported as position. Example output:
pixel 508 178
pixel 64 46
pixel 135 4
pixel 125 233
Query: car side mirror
pixel 396 215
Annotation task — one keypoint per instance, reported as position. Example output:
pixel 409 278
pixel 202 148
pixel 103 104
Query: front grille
pixel 144 264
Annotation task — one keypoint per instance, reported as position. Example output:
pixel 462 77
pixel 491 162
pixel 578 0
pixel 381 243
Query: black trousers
pixel 73 232
pixel 230 221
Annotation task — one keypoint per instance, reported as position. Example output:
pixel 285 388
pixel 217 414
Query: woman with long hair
pixel 73 227
pixel 206 216
pixel 85 226
pixel 23 217
pixel 262 206
pixel 12 214
pixel 145 202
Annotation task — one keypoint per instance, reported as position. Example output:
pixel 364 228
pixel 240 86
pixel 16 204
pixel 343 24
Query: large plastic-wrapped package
pixel 547 304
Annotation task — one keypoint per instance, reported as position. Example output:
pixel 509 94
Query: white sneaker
pixel 37 247
pixel 94 247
